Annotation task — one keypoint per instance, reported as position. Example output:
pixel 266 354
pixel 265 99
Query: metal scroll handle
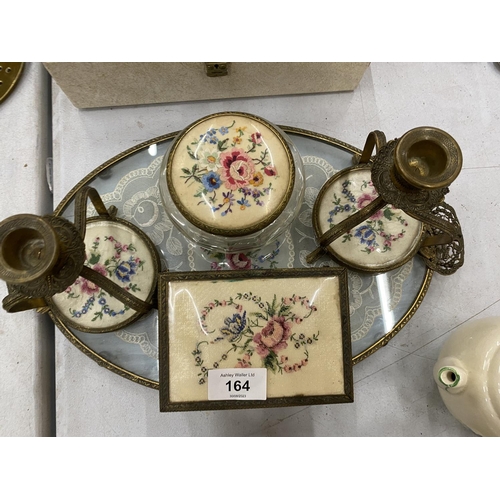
pixel 81 224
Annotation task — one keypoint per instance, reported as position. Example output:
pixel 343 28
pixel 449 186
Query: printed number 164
pixel 238 386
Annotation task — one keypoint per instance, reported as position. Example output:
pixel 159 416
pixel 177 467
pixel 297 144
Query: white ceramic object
pixel 468 375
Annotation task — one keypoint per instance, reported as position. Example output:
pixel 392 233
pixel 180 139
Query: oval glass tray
pixel 380 305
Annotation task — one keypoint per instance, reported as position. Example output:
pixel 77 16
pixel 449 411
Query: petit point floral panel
pixel 291 326
pixel 115 251
pixel 230 172
pixel 386 237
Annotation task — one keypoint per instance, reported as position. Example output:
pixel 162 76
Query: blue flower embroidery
pixel 234 326
pixel 210 136
pixel 366 235
pixel 125 270
pixel 211 181
pixel 223 130
pixel 243 202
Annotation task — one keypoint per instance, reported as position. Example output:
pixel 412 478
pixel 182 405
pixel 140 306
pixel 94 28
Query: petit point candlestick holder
pixel 391 206
pixel 95 275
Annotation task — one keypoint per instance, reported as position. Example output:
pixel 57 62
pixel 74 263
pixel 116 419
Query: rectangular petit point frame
pixel 165 278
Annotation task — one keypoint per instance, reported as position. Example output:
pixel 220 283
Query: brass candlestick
pixel 42 256
pixel 412 174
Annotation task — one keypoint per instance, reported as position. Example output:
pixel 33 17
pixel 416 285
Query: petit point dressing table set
pixel 232 184
pixel 253 295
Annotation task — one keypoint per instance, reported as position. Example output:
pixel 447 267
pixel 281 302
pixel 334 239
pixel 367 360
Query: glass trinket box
pixel 232 182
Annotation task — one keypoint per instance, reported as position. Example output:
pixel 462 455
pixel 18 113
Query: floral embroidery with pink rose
pixel 249 260
pixel 258 338
pixel 234 171
pixel 121 266
pixel 374 227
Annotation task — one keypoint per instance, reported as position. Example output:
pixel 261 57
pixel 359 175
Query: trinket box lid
pixel 230 174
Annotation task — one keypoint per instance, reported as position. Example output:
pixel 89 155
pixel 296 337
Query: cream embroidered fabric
pixel 385 239
pixel 230 172
pixel 117 252
pixel 291 326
